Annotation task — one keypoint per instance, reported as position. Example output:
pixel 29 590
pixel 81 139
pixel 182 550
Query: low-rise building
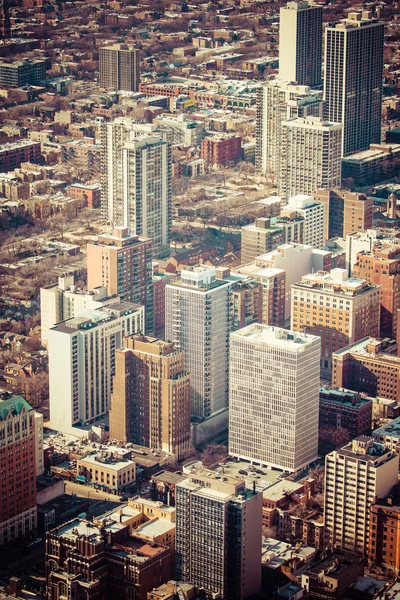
pixel 222 149
pixel 378 163
pixel 14 153
pixel 260 237
pixel 111 472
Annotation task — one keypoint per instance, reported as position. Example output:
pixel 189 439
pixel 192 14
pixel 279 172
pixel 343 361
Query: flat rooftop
pixel 275 336
pixel 154 528
pixel 391 429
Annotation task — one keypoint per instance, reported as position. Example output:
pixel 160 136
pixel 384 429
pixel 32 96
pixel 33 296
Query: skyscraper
pixel 278 101
pixel 218 535
pixel 310 156
pixel 355 477
pixel 353 80
pixel 119 67
pixel 121 263
pixel 150 404
pixel 198 319
pixel 274 396
pixel 300 43
pixel 82 362
pixel 136 182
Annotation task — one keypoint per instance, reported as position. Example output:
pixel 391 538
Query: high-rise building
pixel 384 543
pixel 247 304
pixel 136 181
pixel 160 280
pixel 355 477
pixel 64 300
pixel 310 156
pixel 300 43
pixel 150 404
pixel 198 319
pixel 345 212
pixel 274 396
pixel 272 296
pixel 121 263
pixel 313 214
pixel 82 362
pixel 278 101
pixel 218 535
pixel 22 72
pixel 5 23
pixel 381 266
pixel 260 237
pixel 353 80
pixel 119 66
pixel 18 514
pixel 339 309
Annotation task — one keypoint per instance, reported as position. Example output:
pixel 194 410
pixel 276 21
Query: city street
pixel 83 491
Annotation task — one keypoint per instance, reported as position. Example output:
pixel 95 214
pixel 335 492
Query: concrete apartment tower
pixel 198 319
pixel 218 535
pixel 300 43
pixel 119 67
pixel 260 237
pixel 278 101
pixel 274 396
pixel 137 182
pixel 121 263
pixel 150 404
pixel 353 80
pixel 82 362
pixel 355 477
pixel 310 156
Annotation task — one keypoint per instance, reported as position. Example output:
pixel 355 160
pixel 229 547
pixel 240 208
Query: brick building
pixel 384 540
pixel 220 150
pixel 90 194
pixel 345 212
pixel 346 409
pixel 14 153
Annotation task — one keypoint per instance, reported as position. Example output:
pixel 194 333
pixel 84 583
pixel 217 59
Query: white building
pixel 181 130
pixel 313 214
pixel 39 454
pixel 310 156
pixel 300 43
pixel 64 301
pixel 274 396
pixel 82 362
pixel 197 318
pixel 355 477
pixel 218 535
pixel 359 241
pixel 353 80
pixel 137 181
pixel 278 101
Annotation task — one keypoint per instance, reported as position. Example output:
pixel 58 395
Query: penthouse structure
pixel 260 237
pixel 121 263
pixel 150 404
pixel 362 471
pixel 82 362
pixel 18 435
pixel 119 66
pixel 343 408
pixel 310 156
pixel 278 101
pixel 345 212
pixel 273 397
pixel 369 366
pixel 353 79
pixel 218 526
pixel 339 309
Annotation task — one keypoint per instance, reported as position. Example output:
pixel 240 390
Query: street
pixel 84 491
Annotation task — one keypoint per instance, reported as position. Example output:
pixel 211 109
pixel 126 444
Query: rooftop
pixel 13 406
pixel 110 461
pixel 391 429
pixel 276 336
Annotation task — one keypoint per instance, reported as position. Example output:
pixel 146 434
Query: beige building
pixel 345 212
pixel 112 472
pixel 150 403
pixel 272 300
pixel 355 477
pixel 260 237
pixel 119 66
pixel 337 308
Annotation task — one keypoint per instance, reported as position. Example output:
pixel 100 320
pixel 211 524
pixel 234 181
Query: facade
pixel 198 319
pixel 362 471
pixel 119 66
pixel 370 166
pixel 247 304
pixel 300 43
pixel 150 404
pixel 218 535
pixel 89 194
pixel 345 212
pixel 339 309
pixel 388 434
pixel 384 541
pixel 221 149
pixel 278 101
pixel 260 237
pixel 82 362
pixel 181 130
pixel 365 366
pixel 273 397
pixel 272 283
pixel 108 562
pixel 310 156
pixel 113 473
pixel 5 23
pixel 64 301
pixel 353 79
pixel 23 72
pixel 18 515
pixel 12 154
pixel 121 263
pixel 313 214
pixel 160 281
pixel 346 409
pixel 381 266
pixel 136 181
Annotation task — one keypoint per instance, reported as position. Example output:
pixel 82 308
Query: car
pixel 242 472
pixel 123 498
pixel 35 541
